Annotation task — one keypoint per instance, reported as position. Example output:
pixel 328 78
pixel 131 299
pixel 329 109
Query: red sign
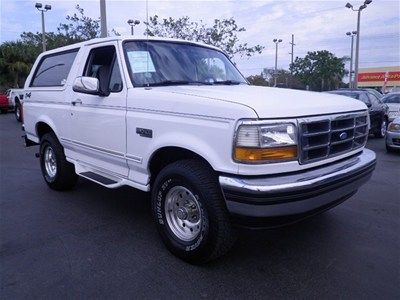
pixel 379 76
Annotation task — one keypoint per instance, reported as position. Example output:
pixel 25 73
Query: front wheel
pixel 381 133
pixel 58 173
pixel 190 213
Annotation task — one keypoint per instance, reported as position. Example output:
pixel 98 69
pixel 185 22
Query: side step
pixel 98 178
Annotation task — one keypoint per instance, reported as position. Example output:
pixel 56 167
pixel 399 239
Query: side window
pixel 102 64
pixel 374 99
pixel 53 69
pixel 115 79
pixel 364 98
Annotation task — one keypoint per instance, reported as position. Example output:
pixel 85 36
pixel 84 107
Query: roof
pixel 126 38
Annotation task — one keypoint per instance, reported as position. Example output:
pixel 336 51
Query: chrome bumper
pixel 393 139
pixel 297 193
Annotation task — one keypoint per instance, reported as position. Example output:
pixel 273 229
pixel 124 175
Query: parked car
pixel 15 97
pixel 392 100
pixel 393 136
pixel 177 119
pixel 4 103
pixel 378 111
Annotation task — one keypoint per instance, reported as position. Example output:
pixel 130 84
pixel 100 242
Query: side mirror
pixel 86 85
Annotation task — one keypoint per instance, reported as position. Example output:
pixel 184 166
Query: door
pixel 98 127
pixel 375 112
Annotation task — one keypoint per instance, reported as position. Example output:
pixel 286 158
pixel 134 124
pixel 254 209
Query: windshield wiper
pixel 228 82
pixel 174 82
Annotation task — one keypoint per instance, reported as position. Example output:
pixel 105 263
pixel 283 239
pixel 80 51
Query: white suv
pixel 178 119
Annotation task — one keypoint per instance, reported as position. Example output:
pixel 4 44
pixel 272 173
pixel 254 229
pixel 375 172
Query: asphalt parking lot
pixel 100 243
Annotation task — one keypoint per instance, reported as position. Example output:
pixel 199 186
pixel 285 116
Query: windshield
pixel 348 94
pixel 392 99
pixel 152 63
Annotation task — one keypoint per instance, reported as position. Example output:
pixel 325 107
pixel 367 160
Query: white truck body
pixel 119 135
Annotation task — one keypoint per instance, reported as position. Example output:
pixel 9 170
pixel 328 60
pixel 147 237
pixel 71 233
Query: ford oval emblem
pixel 343 136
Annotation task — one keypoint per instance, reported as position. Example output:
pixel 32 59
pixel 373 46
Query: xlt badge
pixel 144 132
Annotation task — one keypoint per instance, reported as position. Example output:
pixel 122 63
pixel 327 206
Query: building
pixel 376 77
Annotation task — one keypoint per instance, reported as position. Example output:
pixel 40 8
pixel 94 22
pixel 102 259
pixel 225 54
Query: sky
pixel 316 25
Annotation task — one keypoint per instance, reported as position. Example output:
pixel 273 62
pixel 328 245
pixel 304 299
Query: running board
pixel 98 178
pixel 105 178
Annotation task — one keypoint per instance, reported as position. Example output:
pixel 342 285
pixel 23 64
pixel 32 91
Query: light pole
pixel 40 8
pixel 352 34
pixel 103 19
pixel 133 23
pixel 348 5
pixel 276 41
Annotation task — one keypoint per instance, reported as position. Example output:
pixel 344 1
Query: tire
pixel 205 237
pixel 3 111
pixel 389 150
pixel 17 112
pixel 381 132
pixel 58 173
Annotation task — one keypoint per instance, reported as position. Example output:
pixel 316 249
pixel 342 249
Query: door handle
pixel 77 101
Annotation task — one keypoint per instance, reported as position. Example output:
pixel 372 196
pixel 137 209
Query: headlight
pixel 266 143
pixel 394 127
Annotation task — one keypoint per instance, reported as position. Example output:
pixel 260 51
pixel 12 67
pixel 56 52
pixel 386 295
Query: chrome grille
pixel 328 136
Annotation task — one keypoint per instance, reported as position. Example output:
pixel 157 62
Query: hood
pixel 272 102
pixel 393 106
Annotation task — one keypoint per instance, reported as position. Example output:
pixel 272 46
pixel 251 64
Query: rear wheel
pixel 190 213
pixel 17 112
pixel 3 111
pixel 58 173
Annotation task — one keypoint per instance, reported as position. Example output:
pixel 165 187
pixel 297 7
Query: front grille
pixel 328 136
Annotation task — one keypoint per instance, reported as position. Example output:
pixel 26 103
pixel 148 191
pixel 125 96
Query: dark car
pixel 378 111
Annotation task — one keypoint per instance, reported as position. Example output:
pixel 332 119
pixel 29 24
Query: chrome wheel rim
pixel 18 112
pixel 183 213
pixel 50 163
pixel 383 128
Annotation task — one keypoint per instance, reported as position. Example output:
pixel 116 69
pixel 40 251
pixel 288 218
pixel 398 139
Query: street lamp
pixel 348 5
pixel 276 41
pixel 40 8
pixel 133 23
pixel 351 34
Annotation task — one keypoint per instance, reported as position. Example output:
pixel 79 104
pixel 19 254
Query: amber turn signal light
pixel 265 154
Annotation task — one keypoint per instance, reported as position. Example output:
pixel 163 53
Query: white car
pixel 392 100
pixel 177 119
pixel 15 97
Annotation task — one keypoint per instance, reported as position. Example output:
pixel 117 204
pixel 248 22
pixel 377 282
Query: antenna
pixel 147 42
pixel 147 18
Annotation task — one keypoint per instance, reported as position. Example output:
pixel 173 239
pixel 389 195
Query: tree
pixel 320 70
pixel 258 80
pixel 79 26
pixel 222 34
pixel 16 59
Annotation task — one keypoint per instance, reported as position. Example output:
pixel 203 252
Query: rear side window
pixel 53 69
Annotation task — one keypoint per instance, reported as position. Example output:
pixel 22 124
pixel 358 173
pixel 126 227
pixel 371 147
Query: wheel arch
pixel 169 154
pixel 43 127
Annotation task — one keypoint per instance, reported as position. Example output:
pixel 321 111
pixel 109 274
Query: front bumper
pixel 297 194
pixel 393 139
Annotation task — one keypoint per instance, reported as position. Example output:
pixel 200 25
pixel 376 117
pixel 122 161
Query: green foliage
pixel 320 70
pixel 258 80
pixel 222 33
pixel 16 59
pixel 80 27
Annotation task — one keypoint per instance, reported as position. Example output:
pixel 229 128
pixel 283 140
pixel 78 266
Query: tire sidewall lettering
pixel 164 187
